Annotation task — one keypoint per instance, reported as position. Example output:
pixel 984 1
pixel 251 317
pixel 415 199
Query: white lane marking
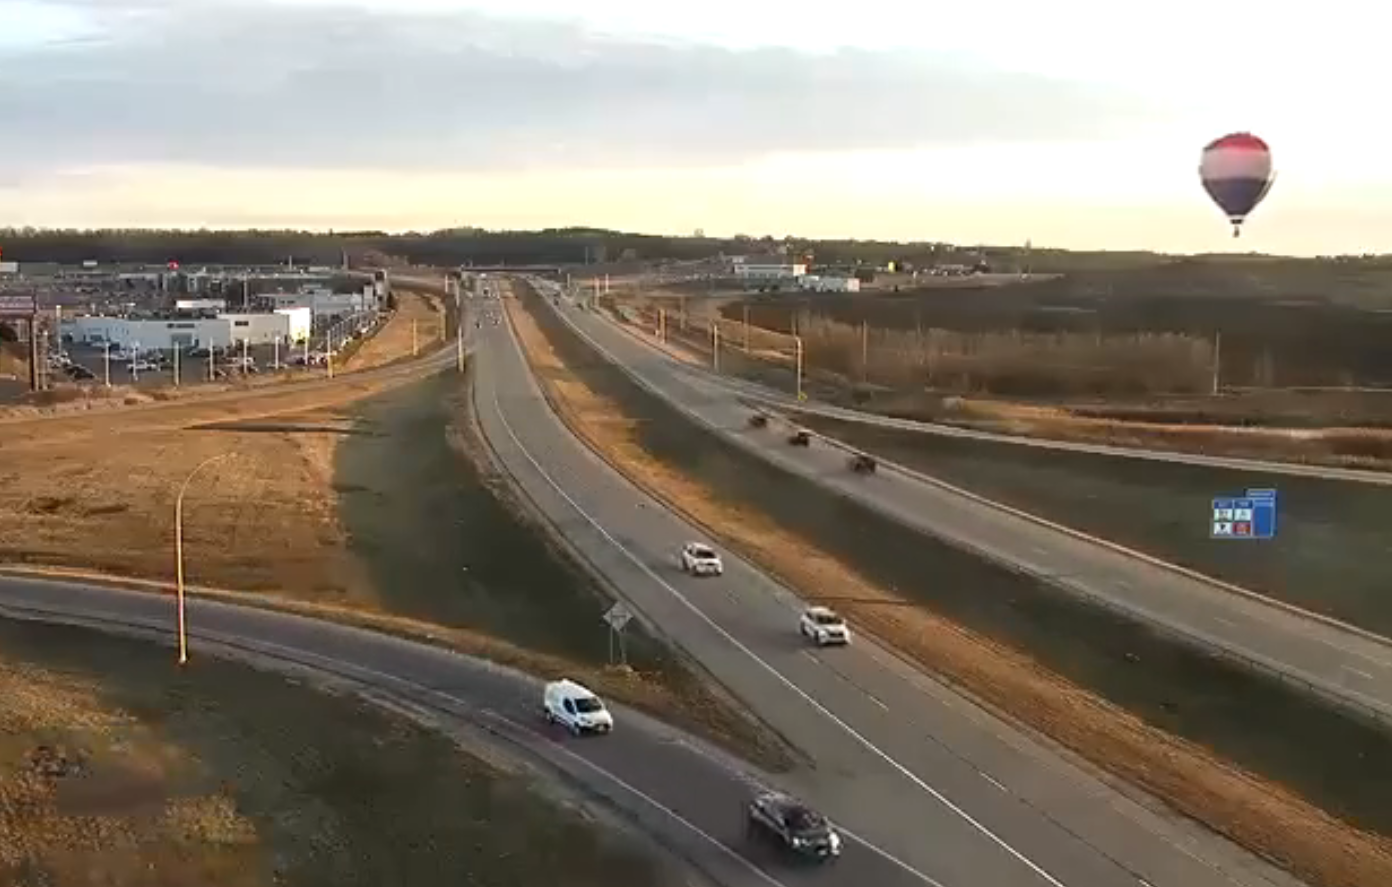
pixel 1360 673
pixel 340 666
pixel 754 657
pixel 852 684
pixel 994 781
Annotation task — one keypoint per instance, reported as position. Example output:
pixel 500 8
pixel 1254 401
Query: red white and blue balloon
pixel 1236 172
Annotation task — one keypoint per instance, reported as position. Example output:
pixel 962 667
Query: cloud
pixel 260 84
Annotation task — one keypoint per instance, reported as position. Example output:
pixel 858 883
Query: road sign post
pixel 617 617
pixel 1250 516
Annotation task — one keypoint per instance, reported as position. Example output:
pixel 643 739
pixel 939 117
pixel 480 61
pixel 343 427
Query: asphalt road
pixel 774 397
pixel 945 793
pixel 930 789
pixel 1347 665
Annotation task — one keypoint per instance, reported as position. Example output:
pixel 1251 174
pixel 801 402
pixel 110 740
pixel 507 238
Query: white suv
pixel 822 625
pixel 700 559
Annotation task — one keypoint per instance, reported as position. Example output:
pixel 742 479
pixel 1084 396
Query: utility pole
pixel 1217 361
pixel 715 345
pixel 864 351
pixel 746 328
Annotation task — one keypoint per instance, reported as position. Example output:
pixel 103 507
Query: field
pixel 1246 755
pixel 366 504
pixel 116 769
pixel 417 326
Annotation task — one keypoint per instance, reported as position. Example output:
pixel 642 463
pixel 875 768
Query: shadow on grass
pixel 441 547
pixel 1338 762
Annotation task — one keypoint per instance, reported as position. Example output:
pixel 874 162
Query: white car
pixel 574 707
pixel 823 625
pixel 699 559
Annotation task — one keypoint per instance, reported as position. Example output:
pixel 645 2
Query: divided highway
pixel 1346 665
pixel 931 789
pixel 938 791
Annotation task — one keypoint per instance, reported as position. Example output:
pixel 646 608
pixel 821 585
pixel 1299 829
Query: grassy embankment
pixel 1246 755
pixel 118 769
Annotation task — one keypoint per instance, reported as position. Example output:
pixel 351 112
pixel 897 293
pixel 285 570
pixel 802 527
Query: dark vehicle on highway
pixel 798 828
pixel 758 420
pixel 862 464
pixel 800 439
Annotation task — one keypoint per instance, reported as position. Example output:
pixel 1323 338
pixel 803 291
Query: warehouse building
pixel 291 325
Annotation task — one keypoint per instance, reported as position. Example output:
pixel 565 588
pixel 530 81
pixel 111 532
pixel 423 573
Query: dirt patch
pixel 416 327
pixel 371 504
pixel 112 762
pixel 1103 686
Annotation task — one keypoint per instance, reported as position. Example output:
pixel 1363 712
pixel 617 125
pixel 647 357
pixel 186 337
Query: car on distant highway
pixel 699 559
pixel 824 626
pixel 793 825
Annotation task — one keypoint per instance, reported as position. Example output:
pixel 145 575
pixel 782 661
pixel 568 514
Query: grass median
pixel 1245 755
pixel 114 762
pixel 375 507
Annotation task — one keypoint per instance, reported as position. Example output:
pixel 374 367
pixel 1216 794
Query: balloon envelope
pixel 1236 173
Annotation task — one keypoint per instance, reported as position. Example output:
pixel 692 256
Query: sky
pixel 1072 124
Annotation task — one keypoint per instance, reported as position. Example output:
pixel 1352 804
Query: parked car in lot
pixel 699 559
pixel 824 625
pixel 793 825
pixel 574 707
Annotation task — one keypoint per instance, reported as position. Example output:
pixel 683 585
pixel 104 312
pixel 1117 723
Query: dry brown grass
pixel 87 788
pixel 417 326
pixel 1264 817
pixel 218 774
pixel 900 364
pixel 97 493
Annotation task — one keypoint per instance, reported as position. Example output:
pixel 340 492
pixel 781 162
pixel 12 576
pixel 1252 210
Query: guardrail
pixel 1376 711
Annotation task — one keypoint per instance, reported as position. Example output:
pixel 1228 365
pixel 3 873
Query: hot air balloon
pixel 1236 173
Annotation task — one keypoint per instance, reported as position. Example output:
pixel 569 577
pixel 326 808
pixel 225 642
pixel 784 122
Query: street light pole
pixel 797 341
pixel 106 364
pixel 179 553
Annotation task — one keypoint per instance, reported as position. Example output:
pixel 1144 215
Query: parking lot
pixel 87 363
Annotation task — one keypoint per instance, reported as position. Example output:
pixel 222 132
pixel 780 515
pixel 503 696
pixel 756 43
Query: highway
pixel 1346 665
pixel 946 793
pixel 779 399
pixel 930 788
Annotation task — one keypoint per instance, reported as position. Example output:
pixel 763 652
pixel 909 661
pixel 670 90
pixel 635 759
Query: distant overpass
pixel 512 269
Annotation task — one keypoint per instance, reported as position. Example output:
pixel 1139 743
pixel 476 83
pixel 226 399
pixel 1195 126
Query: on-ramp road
pixel 1346 665
pixel 931 789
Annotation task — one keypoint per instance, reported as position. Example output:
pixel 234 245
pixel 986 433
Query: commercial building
pixel 324 303
pixel 764 272
pixel 830 284
pixel 291 325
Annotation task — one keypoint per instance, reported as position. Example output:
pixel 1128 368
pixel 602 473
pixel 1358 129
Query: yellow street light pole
pixel 179 552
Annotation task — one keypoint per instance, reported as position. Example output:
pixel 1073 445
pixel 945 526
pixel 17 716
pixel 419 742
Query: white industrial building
pixel 324 303
pixel 291 325
pixel 818 284
pixel 771 271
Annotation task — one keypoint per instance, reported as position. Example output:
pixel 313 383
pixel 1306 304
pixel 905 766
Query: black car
pixel 79 373
pixel 794 825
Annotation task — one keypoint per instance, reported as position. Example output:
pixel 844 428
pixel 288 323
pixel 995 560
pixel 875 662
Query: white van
pixel 574 707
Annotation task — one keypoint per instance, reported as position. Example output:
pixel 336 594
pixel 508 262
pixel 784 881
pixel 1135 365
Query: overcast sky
pixel 1071 124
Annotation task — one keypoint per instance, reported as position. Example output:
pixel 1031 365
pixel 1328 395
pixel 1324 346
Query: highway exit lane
pixel 687 793
pixel 931 780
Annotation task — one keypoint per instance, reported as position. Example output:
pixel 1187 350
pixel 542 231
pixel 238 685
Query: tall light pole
pixel 179 552
pixel 797 341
